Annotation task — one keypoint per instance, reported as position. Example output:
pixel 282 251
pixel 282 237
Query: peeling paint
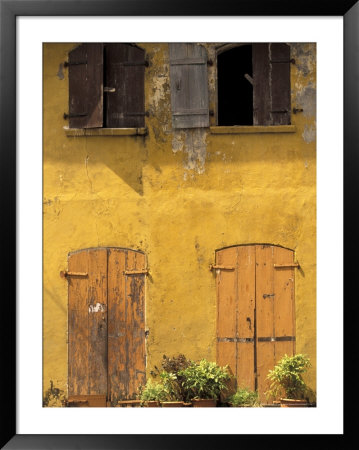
pixel 99 307
pixel 306 99
pixel 193 143
pixel 304 55
pixel 309 133
pixel 60 73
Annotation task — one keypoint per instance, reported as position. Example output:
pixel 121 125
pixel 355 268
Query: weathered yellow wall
pixel 178 196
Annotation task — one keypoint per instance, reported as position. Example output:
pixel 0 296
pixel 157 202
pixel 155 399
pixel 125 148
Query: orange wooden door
pixel 255 311
pixel 106 324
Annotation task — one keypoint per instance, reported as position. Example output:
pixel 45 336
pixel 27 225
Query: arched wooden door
pixel 255 311
pixel 106 325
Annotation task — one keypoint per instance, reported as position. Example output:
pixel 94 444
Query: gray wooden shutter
pixel 271 84
pixel 261 87
pixel 86 86
pixel 125 81
pixel 189 86
pixel 280 78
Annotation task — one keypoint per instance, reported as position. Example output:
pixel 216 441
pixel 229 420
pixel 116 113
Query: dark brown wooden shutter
pixel 261 87
pixel 271 84
pixel 189 86
pixel 86 86
pixel 125 80
pixel 280 89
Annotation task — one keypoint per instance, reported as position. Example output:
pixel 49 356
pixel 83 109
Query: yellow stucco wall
pixel 177 196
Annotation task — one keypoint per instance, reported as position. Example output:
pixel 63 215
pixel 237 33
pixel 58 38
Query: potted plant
pixel 204 381
pixel 151 394
pixel 172 380
pixel 286 381
pixel 244 397
pixel 170 384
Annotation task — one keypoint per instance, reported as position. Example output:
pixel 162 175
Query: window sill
pixel 78 132
pixel 253 129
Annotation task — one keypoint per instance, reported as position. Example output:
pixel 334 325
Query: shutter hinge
pixel 136 272
pixel 146 113
pixel 283 266
pixel 68 63
pixel 217 267
pixel 135 63
pixel 292 61
pixel 70 116
pixel 66 274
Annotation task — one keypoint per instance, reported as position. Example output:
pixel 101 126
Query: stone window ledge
pixel 253 129
pixel 79 132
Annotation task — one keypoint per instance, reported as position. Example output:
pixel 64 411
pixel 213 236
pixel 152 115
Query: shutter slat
pixel 125 71
pixel 86 86
pixel 280 76
pixel 189 86
pixel 261 87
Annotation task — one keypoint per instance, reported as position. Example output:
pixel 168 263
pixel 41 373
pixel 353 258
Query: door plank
pixel 264 315
pixel 77 326
pixel 245 315
pixel 117 356
pixel 97 321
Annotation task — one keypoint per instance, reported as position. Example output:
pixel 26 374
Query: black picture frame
pixel 9 10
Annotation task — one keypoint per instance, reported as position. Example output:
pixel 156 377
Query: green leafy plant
pixel 171 378
pixel 171 386
pixel 244 397
pixel 287 378
pixel 153 391
pixel 205 379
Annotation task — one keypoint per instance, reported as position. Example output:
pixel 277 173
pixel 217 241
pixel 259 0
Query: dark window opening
pixel 235 89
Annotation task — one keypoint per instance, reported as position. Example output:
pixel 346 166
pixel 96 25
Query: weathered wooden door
pixel 106 325
pixel 255 311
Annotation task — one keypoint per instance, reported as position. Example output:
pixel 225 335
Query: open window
pixel 106 86
pixel 254 84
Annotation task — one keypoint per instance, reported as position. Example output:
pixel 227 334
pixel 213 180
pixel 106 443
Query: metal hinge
pixel 133 63
pixel 67 63
pixel 136 272
pixel 65 274
pixel 279 61
pixel 283 266
pixel 218 267
pixel 146 113
pixel 69 116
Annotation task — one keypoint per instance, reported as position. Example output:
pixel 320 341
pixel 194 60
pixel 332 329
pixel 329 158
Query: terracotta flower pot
pixel 204 402
pixel 153 403
pixel 172 404
pixel 291 403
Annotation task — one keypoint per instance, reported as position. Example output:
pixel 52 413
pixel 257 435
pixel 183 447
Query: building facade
pixel 179 206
